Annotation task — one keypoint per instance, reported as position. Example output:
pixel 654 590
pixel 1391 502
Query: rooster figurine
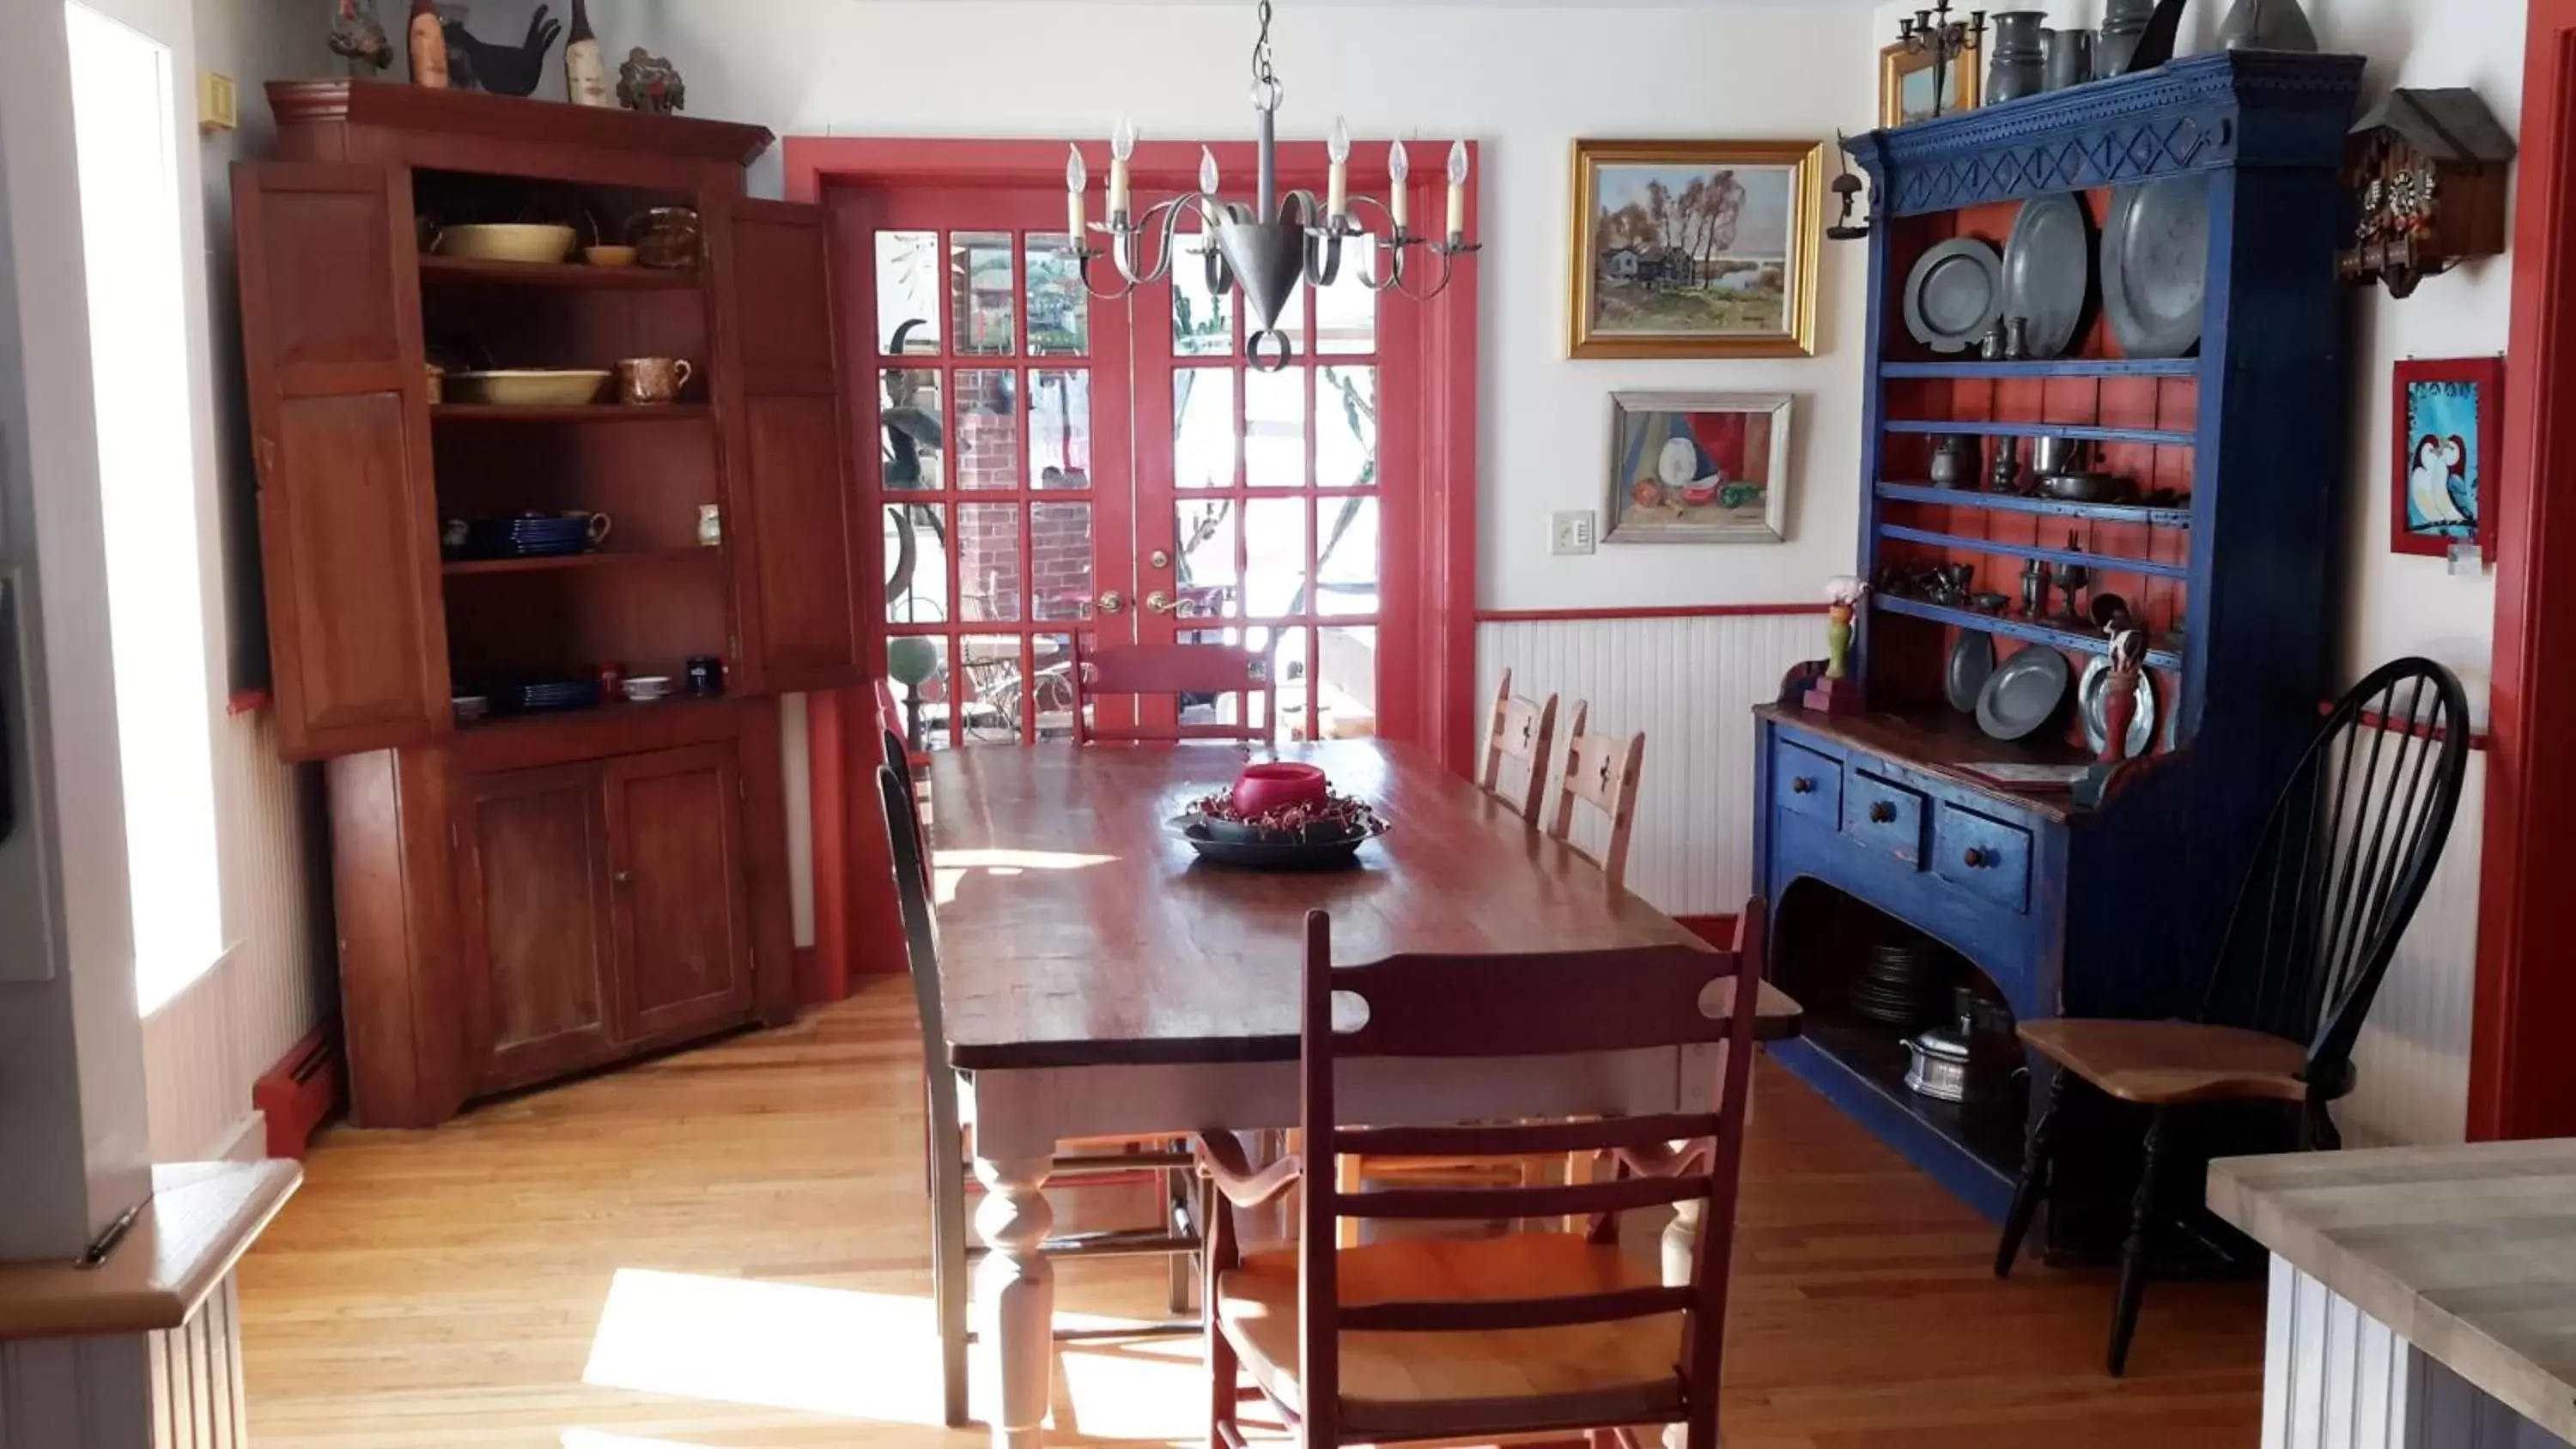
pixel 358 37
pixel 504 70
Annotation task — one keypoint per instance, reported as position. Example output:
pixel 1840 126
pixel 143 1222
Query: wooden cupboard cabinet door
pixel 532 893
pixel 793 512
pixel 330 300
pixel 679 900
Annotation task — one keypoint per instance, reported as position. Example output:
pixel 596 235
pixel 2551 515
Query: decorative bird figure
pixel 2428 488
pixel 357 36
pixel 505 70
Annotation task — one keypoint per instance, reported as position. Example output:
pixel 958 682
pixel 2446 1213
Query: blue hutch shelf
pixel 1872 827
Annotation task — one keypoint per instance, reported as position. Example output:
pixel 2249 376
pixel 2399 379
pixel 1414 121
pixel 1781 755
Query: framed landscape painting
pixel 1905 80
pixel 1696 248
pixel 1698 467
pixel 2448 431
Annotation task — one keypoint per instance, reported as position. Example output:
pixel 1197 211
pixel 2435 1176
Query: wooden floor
pixel 728 1247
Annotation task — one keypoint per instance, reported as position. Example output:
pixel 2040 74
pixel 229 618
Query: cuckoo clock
pixel 2428 171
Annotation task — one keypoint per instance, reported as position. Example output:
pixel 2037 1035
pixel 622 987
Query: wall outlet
pixel 1572 533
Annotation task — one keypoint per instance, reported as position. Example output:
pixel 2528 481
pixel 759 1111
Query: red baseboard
pixel 1718 931
pixel 301 1092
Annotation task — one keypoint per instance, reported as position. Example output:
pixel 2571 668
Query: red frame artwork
pixel 2477 458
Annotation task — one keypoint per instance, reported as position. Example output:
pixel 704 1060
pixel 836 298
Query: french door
pixel 1047 462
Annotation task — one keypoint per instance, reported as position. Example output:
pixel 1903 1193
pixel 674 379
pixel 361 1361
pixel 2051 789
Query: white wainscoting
pixel 179 1389
pixel 1690 685
pixel 205 1047
pixel 2413 1056
pixel 2336 1378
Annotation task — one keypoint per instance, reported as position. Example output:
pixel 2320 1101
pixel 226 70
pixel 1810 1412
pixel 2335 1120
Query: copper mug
pixel 652 381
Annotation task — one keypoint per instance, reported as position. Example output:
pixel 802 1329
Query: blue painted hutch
pixel 1870 826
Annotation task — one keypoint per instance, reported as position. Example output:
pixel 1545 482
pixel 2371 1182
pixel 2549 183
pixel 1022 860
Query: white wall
pixel 1522 80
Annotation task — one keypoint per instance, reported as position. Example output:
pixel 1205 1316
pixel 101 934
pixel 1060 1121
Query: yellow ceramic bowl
pixel 527 387
pixel 609 256
pixel 513 241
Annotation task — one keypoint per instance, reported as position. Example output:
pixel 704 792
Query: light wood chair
pixel 1602 771
pixel 1176 670
pixel 1096 1161
pixel 1522 731
pixel 1441 1339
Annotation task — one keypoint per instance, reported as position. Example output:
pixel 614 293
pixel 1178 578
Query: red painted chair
pixel 1176 670
pixel 1422 1339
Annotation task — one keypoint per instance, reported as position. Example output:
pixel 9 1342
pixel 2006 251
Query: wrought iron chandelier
pixel 1265 248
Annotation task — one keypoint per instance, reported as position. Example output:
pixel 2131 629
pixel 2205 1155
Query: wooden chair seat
pixel 1399 1385
pixel 2169 1063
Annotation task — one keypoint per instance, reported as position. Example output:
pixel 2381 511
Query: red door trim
pixel 1430 673
pixel 2522 1079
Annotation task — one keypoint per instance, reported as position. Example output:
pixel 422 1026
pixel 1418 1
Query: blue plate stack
pixel 527 536
pixel 544 695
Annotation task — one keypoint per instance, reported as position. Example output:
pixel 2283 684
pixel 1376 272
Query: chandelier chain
pixel 1265 81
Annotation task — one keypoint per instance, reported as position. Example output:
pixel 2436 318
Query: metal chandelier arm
pixel 1122 248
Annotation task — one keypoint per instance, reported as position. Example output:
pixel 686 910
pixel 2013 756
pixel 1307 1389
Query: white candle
pixel 1398 170
pixel 1457 190
pixel 1122 144
pixel 1337 187
pixel 1117 188
pixel 1075 178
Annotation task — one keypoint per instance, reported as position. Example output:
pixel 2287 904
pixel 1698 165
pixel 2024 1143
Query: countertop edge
pixel 2502 1372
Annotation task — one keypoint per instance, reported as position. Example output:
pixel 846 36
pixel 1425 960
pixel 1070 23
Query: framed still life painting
pixel 1696 248
pixel 1698 467
pixel 1906 85
pixel 2449 429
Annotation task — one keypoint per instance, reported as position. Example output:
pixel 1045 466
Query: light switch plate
pixel 1571 532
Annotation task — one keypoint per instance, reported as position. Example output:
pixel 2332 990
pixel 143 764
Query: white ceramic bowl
pixel 644 687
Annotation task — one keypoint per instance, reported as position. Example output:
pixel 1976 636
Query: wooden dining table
pixel 1098 979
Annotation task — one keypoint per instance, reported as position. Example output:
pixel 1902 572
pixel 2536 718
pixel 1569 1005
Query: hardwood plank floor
pixel 728 1247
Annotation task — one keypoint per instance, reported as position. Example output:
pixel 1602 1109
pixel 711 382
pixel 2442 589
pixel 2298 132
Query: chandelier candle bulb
pixel 1337 186
pixel 1075 178
pixel 1457 191
pixel 1122 145
pixel 1399 170
pixel 1207 173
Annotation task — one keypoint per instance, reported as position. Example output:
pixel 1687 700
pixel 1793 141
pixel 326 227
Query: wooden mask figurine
pixel 2120 693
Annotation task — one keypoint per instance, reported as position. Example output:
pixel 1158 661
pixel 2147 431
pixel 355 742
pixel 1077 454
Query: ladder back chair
pixel 1178 670
pixel 1098 1160
pixel 1603 771
pixel 2341 865
pixel 1524 732
pixel 1447 1339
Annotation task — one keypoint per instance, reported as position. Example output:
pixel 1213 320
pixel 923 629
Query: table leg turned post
pixel 1015 1295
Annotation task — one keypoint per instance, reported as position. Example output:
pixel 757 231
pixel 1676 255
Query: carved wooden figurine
pixel 1837 692
pixel 2430 172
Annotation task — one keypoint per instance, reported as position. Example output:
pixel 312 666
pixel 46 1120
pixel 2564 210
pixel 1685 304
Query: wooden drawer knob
pixel 1979 859
pixel 1803 785
pixel 1882 813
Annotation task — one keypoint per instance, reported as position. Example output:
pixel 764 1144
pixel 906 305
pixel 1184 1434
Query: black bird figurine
pixel 503 70
pixel 357 36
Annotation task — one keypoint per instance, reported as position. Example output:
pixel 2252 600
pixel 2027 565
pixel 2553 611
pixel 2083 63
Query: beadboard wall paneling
pixel 1690 685
pixel 2413 1055
pixel 205 1046
pixel 2336 1378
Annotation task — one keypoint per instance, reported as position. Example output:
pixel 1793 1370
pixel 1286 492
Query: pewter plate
pixel 1972 659
pixel 1954 294
pixel 2024 694
pixel 2155 265
pixel 2089 698
pixel 2048 271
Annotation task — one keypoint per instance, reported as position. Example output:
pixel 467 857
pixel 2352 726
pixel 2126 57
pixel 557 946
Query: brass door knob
pixel 1977 859
pixel 1110 603
pixel 1162 603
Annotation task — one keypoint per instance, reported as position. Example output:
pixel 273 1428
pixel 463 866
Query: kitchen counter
pixel 2431 1286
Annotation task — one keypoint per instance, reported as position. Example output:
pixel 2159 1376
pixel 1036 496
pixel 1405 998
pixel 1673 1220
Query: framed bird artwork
pixel 2449 431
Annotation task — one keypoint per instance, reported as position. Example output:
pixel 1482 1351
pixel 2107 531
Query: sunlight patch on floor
pixel 858 1355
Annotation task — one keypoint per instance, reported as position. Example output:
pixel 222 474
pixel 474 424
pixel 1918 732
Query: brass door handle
pixel 1110 603
pixel 1162 603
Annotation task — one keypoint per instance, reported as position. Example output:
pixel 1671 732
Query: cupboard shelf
pixel 2108 562
pixel 1981 370
pixel 2155 437
pixel 2043 507
pixel 564 276
pixel 2166 654
pixel 560 562
pixel 584 413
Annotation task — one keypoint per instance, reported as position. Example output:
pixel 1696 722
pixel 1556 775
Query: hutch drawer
pixel 1808 783
pixel 1982 856
pixel 1883 816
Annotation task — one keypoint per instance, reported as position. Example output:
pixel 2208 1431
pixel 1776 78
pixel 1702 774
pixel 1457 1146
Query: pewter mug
pixel 2015 70
pixel 2069 58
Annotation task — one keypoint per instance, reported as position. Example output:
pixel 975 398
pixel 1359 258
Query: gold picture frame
pixel 1899 63
pixel 1660 270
